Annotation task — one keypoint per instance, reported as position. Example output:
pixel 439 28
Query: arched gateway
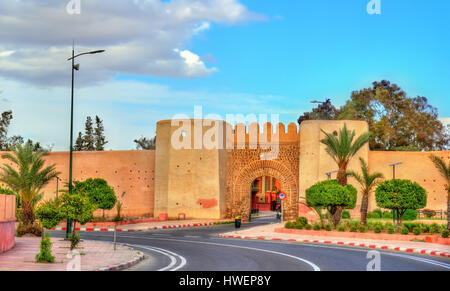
pixel 242 184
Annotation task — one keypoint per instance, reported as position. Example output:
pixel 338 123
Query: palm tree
pixel 368 182
pixel 445 172
pixel 342 148
pixel 28 177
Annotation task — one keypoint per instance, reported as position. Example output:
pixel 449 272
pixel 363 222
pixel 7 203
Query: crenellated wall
pixel 131 172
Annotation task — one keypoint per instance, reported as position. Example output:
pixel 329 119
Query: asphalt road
pixel 199 249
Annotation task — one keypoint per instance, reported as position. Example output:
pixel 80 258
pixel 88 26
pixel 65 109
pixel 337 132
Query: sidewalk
pixel 149 226
pixel 267 232
pixel 94 255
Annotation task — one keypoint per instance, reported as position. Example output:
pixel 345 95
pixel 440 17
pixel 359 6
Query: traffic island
pixel 272 233
pixel 88 256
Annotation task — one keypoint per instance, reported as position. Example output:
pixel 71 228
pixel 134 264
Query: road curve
pixel 201 250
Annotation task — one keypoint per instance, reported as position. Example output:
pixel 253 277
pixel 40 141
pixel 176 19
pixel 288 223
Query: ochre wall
pixel 126 171
pixel 315 162
pixel 7 221
pixel 189 181
pixel 417 167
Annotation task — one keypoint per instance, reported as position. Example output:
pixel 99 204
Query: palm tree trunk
pixel 342 180
pixel 27 213
pixel 364 207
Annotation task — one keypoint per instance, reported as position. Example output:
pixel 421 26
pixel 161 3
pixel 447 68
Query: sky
pixel 228 56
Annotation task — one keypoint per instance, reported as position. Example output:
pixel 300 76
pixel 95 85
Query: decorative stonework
pixel 245 165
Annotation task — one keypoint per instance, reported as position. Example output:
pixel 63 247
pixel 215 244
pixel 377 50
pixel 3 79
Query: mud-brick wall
pixel 7 221
pixel 131 172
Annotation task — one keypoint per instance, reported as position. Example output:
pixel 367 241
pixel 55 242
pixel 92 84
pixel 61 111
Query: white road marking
pixel 314 266
pixel 167 253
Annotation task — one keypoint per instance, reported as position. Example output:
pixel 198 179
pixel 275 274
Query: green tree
pixel 367 181
pixel 49 213
pixel 88 138
pixel 29 178
pixel 77 207
pixel 99 137
pixel 396 120
pixel 342 148
pixel 5 121
pixel 444 170
pixel 331 195
pixel 144 143
pixel 98 191
pixel 79 143
pixel 400 195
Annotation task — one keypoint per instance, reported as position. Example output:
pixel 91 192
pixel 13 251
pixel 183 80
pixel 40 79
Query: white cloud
pixel 139 36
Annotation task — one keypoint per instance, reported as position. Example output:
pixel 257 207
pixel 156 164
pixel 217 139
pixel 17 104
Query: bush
pixel 445 233
pixel 353 228
pixel 388 214
pixel 302 221
pixel 317 226
pixel 375 214
pixel 370 225
pixel 341 228
pixel 429 213
pixel 298 225
pixel 75 239
pixel 411 226
pixel 390 229
pixel 289 225
pixel 377 228
pixel 417 231
pixel 410 214
pixel 48 213
pixel 328 227
pixel 388 224
pixel 401 195
pixel 362 228
pixel 45 255
pixel 434 228
pixel 404 230
pixel 425 228
pixel 346 215
pixel 35 229
pixel 308 227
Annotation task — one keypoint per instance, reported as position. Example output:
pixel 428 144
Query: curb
pixel 353 244
pixel 102 229
pixel 125 265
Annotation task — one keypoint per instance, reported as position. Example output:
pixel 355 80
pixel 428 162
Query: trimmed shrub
pixel 417 231
pixel 375 214
pixel 308 227
pixel 317 226
pixel 429 213
pixel 425 228
pixel 341 228
pixel 390 230
pixel 289 225
pixel 302 221
pixel 362 228
pixel 404 230
pixel 346 215
pixel 410 214
pixel 445 233
pixel 328 227
pixel 353 228
pixel 377 228
pixel 401 195
pixel 298 226
pixel 388 214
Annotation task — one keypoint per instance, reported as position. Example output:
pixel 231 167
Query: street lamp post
pixel 394 215
pixel 327 105
pixel 74 67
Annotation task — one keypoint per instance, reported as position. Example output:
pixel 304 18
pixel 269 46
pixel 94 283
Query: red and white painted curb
pixel 109 229
pixel 125 265
pixel 353 244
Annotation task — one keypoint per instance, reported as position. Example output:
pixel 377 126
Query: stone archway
pixel 241 187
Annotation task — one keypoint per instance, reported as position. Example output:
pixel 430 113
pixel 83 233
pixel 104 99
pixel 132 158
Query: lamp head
pixel 76 67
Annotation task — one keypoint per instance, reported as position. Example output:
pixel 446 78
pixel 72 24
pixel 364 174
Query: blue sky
pixel 269 57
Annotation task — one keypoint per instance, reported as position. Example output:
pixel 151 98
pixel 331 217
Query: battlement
pixel 242 136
